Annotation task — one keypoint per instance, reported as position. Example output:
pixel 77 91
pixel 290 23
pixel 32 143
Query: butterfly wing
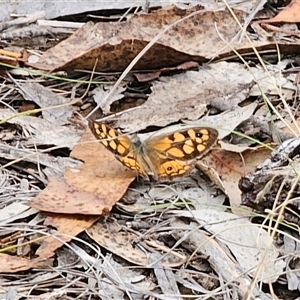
pixel 176 153
pixel 120 145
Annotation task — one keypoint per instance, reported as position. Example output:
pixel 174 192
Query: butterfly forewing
pixel 121 146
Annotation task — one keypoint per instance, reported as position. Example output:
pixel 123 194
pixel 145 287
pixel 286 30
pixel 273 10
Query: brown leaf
pixel 145 77
pixel 93 189
pixel 59 197
pixel 117 44
pixel 12 264
pixel 67 227
pixel 102 174
pixel 231 165
pixel 291 14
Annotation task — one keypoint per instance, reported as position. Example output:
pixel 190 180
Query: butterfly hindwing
pixel 176 153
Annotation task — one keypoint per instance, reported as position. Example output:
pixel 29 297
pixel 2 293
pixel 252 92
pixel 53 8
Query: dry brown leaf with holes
pixel 119 240
pixel 230 166
pixel 91 189
pixel 117 44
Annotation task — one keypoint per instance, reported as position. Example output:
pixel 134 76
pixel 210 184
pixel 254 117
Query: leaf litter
pixel 79 192
pixel 88 182
pixel 45 98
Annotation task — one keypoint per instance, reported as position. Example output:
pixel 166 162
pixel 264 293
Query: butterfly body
pixel 161 156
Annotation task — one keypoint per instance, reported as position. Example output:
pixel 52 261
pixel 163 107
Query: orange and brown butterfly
pixel 162 156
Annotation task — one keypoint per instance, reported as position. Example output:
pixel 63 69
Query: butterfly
pixel 161 156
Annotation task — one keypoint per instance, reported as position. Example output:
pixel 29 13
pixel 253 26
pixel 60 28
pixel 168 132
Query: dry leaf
pixel 188 40
pixel 91 189
pixel 198 242
pixel 145 77
pixel 13 264
pixel 119 241
pixel 100 93
pixel 45 98
pixel 231 165
pixel 187 95
pixel 290 14
pixel 41 131
pixel 227 121
pixel 251 245
pixel 15 211
pixel 66 227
